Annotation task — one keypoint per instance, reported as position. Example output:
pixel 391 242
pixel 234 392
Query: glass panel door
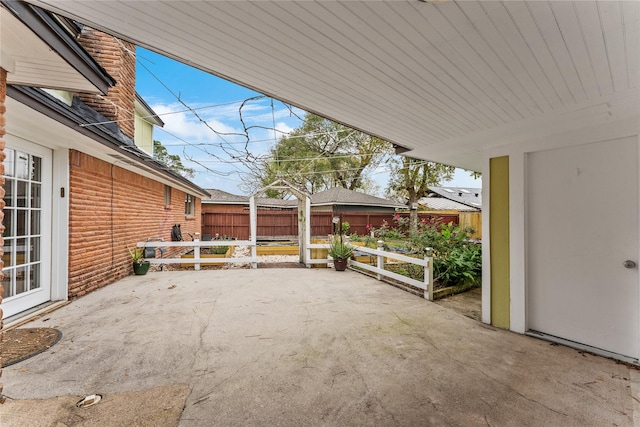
pixel 24 255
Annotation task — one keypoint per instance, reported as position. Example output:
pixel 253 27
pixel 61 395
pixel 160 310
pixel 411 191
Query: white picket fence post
pixel 428 274
pixel 380 259
pixel 196 252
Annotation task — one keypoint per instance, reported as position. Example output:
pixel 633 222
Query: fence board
pixel 284 223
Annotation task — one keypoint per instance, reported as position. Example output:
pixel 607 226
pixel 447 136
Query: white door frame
pixel 24 301
pixel 58 215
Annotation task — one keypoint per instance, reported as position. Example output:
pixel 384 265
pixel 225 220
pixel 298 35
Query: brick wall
pixel 117 57
pixel 3 123
pixel 111 208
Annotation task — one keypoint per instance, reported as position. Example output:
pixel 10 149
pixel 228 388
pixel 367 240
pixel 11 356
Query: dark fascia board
pixel 57 38
pixel 49 106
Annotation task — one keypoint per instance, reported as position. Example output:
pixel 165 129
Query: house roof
pixel 276 203
pixel 37 50
pixel 223 198
pixel 442 204
pixel 446 79
pixel 471 197
pixel 116 147
pixel 333 196
pixel 342 196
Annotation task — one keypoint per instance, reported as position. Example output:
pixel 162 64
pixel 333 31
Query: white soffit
pixel 447 79
pixel 30 61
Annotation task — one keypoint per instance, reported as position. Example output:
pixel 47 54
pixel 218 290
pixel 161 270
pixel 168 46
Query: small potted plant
pixel 140 266
pixel 340 252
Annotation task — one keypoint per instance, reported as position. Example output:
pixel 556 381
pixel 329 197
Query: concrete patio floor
pixel 300 347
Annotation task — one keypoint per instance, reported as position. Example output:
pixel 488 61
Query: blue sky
pixel 173 89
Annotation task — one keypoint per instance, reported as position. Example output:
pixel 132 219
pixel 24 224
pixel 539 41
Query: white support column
pixel 307 229
pixel 60 233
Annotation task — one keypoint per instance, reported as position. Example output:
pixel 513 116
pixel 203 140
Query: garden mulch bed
pixel 20 344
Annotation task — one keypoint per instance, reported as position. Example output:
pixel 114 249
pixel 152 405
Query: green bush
pixel 345 227
pixel 457 258
pixel 218 250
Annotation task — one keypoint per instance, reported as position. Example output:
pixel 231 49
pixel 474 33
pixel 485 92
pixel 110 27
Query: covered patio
pixel 300 347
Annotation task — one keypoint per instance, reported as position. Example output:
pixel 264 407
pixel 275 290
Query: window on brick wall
pixel 167 195
pixel 189 205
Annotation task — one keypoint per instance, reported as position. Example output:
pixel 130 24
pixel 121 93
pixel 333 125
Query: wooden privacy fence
pixel 284 223
pixel 472 220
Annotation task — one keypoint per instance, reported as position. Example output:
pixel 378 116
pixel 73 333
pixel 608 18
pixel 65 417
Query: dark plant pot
pixel 141 268
pixel 340 264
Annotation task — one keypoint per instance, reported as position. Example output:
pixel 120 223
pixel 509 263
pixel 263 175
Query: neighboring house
pixel 340 199
pixel 146 119
pixel 465 202
pixel 78 189
pixel 470 197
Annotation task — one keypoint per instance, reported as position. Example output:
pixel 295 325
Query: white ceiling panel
pixel 448 79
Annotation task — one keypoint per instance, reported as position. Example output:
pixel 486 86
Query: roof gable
pixel 342 196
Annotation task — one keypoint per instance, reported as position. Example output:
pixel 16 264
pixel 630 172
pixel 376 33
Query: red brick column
pixel 3 122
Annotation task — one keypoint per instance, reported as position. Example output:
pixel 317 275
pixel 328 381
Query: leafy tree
pixel 322 154
pixel 411 178
pixel 172 161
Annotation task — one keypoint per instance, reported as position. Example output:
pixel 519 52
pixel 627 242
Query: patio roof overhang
pixel 446 80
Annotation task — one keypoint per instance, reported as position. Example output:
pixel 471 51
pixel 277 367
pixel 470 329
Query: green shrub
pixel 218 250
pixel 345 227
pixel 457 258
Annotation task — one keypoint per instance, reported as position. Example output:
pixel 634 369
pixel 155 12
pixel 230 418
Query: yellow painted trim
pixel 499 241
pixel 278 250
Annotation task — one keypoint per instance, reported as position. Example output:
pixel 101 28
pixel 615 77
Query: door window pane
pixel 6 284
pixel 36 196
pixel 34 282
pixel 21 194
pixel 21 222
pixel 36 168
pixel 7 256
pixel 35 249
pixel 8 192
pixel 21 280
pixel 22 165
pixel 21 251
pixel 9 165
pixel 35 222
pixel 8 222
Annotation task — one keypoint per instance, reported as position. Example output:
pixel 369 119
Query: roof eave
pixel 57 38
pixel 44 104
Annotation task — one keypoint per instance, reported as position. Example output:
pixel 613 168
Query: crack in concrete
pixel 481 372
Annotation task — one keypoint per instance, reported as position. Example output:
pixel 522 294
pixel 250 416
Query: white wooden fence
pixel 379 269
pixel 196 244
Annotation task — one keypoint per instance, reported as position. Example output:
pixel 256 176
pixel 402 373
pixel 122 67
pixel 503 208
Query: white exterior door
pixel 582 226
pixel 27 221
